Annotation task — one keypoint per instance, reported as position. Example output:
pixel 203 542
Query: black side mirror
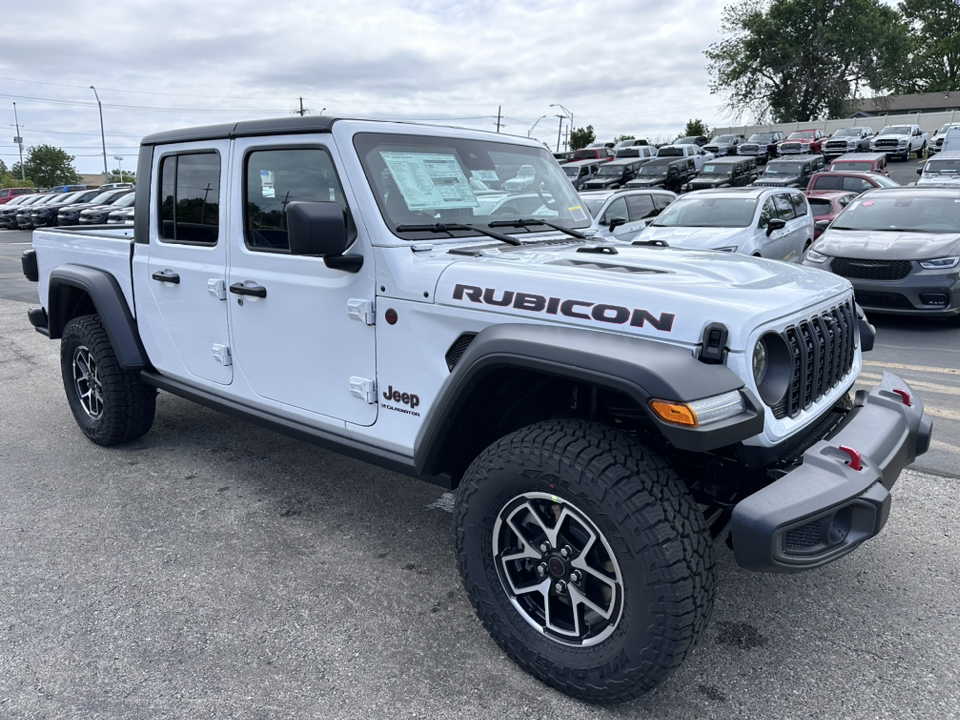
pixel 319 229
pixel 775 224
pixel 617 222
pixel 919 171
pixel 822 225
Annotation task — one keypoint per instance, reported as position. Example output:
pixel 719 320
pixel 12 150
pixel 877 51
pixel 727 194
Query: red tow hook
pixel 905 396
pixel 856 461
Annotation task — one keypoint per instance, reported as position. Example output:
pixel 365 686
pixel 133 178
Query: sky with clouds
pixel 623 66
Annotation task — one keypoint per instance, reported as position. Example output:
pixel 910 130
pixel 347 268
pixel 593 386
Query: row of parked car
pixel 108 204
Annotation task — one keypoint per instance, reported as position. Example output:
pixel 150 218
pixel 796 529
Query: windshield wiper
pixel 448 227
pixel 522 223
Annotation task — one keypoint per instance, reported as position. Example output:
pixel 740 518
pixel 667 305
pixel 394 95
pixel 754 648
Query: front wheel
pixel 110 404
pixel 921 152
pixel 585 557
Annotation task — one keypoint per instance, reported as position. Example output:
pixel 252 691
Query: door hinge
pixel 364 388
pixel 217 288
pixel 222 353
pixel 362 310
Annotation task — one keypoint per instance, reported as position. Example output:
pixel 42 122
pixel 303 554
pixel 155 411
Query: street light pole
pixel 530 131
pixel 19 141
pixel 103 141
pixel 119 159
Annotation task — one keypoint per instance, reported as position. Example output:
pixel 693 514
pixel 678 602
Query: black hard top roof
pixel 244 128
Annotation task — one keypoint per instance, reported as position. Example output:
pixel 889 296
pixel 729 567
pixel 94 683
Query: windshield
pixel 572 170
pixel 897 130
pixel 594 205
pixel 903 214
pixel 423 180
pixel 126 200
pixel 802 135
pixel 847 132
pixel 782 169
pixel 585 154
pixel 691 140
pixel 761 138
pixel 70 197
pixel 651 170
pixel 724 138
pixel 853 165
pixel 708 212
pixel 946 127
pixel 711 169
pixel 610 171
pixel 951 167
pixel 820 206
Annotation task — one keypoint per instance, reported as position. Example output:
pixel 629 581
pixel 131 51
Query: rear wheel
pixel 110 404
pixel 585 557
pixel 921 152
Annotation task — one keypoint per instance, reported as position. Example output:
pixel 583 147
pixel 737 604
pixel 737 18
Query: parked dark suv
pixel 614 174
pixel 668 172
pixel 724 172
pixel 793 171
pixel 762 146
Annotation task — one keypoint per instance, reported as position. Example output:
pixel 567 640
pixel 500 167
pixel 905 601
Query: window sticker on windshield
pixel 577 213
pixel 485 175
pixel 867 203
pixel 430 181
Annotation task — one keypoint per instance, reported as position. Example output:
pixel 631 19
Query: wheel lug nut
pixel 575 576
pixel 542 569
pixel 566 551
pixel 560 587
pixel 544 547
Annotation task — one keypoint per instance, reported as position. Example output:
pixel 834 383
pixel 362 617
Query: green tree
pixel 130 177
pixel 48 166
pixel 693 128
pixel 935 39
pixel 581 137
pixel 621 138
pixel 798 60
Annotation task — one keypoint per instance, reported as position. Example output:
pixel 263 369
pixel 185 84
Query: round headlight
pixel 759 361
pixel 772 367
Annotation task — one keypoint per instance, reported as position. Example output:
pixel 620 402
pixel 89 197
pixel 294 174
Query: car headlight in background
pixel 814 256
pixel 940 263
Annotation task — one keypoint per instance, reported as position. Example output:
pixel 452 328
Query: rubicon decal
pixel 583 309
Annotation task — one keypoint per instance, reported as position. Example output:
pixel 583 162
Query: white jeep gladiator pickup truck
pixel 900 141
pixel 603 410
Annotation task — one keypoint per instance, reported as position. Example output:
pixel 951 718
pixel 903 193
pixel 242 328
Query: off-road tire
pixel 111 405
pixel 648 520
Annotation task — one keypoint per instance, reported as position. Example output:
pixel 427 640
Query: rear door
pixel 179 276
pixel 781 244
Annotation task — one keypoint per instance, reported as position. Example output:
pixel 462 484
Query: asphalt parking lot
pixel 213 569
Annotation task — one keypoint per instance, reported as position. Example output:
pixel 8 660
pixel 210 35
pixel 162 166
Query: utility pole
pixel 301 111
pixel 559 131
pixel 19 141
pixel 106 173
pixel 499 108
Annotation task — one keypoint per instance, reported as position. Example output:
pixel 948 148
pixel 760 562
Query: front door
pixel 180 273
pixel 302 337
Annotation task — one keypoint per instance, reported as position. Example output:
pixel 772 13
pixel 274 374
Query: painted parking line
pixel 919 384
pixel 914 368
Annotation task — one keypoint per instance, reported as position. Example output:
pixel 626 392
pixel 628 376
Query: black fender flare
pixel 107 297
pixel 639 367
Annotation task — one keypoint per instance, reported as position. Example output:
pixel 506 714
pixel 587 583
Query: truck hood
pixel 936 179
pixel 647 182
pixel 879 245
pixel 667 294
pixel 892 136
pixel 785 181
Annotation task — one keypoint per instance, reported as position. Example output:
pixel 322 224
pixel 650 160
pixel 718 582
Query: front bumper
pixel 923 292
pixel 833 502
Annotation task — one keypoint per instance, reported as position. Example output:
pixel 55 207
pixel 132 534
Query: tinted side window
pixel 784 206
pixel 661 201
pixel 856 184
pixel 190 198
pixel 828 183
pixel 799 204
pixel 767 213
pixel 276 178
pixel 618 208
pixel 640 206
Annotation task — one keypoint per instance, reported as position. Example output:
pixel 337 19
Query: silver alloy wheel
pixel 557 569
pixel 86 378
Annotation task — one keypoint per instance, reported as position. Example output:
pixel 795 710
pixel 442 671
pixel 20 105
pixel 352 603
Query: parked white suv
pixel 699 155
pixel 764 222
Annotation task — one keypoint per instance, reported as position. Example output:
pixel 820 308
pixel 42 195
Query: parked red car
pixel 601 154
pixel 802 142
pixel 857 182
pixel 8 194
pixel 826 205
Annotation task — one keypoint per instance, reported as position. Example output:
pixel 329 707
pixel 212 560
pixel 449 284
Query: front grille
pixel 871 269
pixel 886 143
pixel 749 148
pixel 888 300
pixel 791 147
pixel 823 352
pixel 837 145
